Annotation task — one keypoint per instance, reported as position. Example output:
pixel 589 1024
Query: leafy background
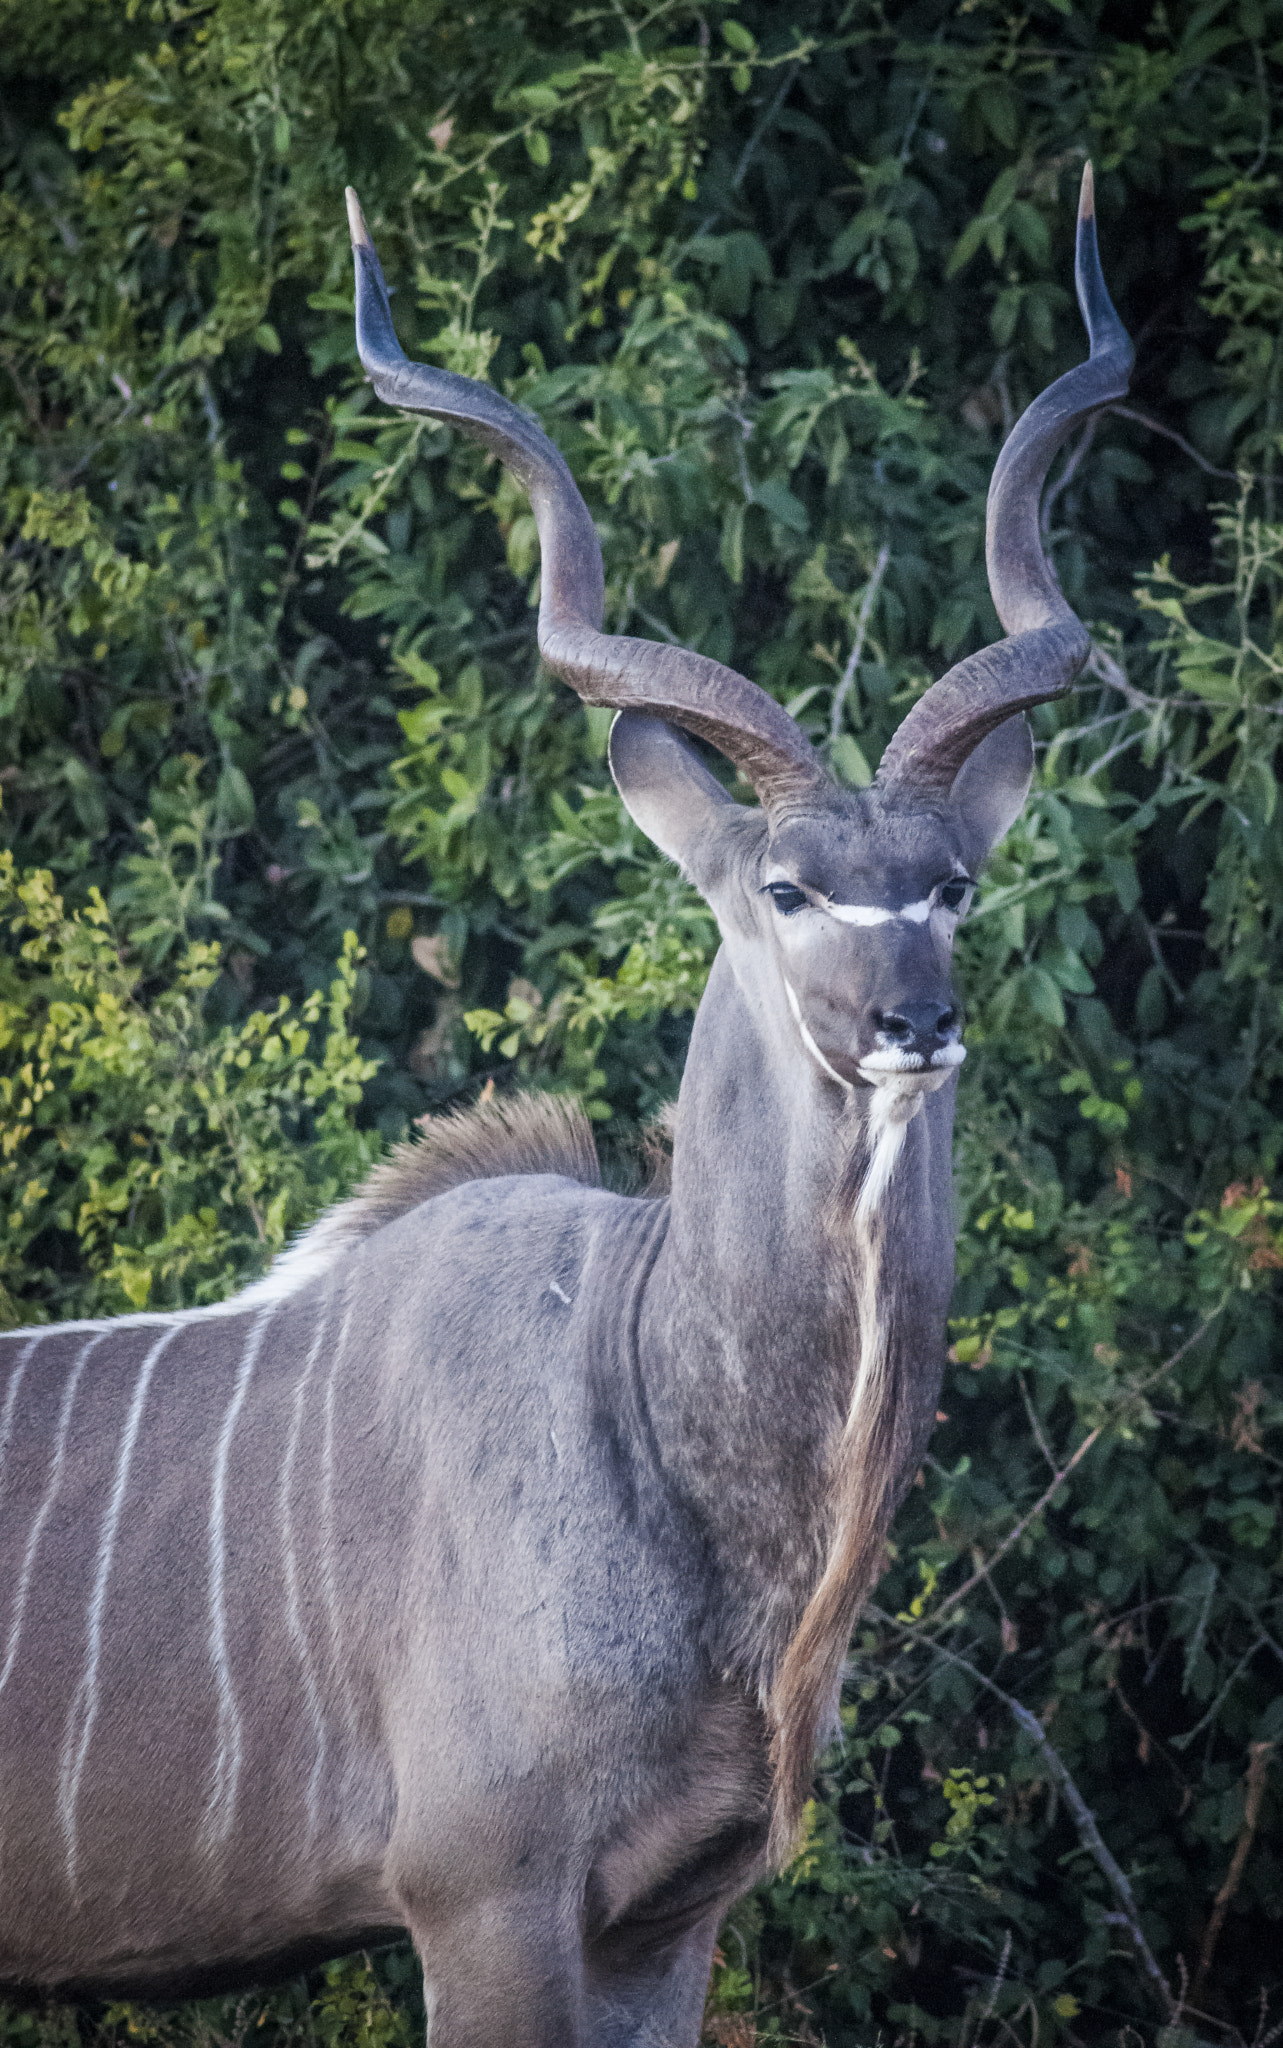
pixel 301 845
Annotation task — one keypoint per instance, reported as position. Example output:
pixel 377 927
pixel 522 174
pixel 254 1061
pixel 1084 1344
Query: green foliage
pixel 147 1159
pixel 776 281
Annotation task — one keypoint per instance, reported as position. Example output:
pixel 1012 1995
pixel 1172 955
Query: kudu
pixel 487 1569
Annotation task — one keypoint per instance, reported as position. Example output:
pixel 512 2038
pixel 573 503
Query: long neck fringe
pixel 868 1460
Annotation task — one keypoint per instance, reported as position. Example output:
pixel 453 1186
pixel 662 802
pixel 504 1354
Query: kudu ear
pixel 667 790
pixel 990 788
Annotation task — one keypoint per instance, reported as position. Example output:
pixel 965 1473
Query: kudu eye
pixel 954 894
pixel 786 898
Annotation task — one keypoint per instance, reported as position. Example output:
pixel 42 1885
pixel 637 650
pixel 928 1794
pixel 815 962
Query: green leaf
pixel 234 800
pixel 1042 996
pixel 1001 110
pixel 849 762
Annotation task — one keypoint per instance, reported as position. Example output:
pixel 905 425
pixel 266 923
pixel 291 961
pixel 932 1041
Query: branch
pixel 1145 419
pixel 1044 1499
pixel 1067 474
pixel 857 646
pixel 1089 1833
pixel 1258 1764
pixel 751 146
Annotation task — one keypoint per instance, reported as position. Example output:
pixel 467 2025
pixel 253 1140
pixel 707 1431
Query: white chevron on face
pixel 873 913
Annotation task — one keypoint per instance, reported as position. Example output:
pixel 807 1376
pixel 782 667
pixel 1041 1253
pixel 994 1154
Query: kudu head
pixel 838 906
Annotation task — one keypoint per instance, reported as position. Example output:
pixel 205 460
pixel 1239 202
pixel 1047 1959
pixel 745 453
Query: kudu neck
pixel 763 1140
pixel 748 1338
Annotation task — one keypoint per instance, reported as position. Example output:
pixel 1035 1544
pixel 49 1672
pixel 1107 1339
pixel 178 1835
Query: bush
pixel 776 280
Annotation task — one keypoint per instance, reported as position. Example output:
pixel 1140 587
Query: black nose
pixel 918 1027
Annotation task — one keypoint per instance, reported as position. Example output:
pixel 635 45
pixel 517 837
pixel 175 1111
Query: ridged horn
pixel 715 703
pixel 1048 643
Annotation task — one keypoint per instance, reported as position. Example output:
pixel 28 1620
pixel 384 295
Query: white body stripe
pixel 227 1760
pixel 84 1708
pixel 328 1586
pixel 16 1378
pixel 293 1604
pixel 45 1509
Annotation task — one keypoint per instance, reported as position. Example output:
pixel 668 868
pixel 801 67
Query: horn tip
pixel 356 221
pixel 1087 196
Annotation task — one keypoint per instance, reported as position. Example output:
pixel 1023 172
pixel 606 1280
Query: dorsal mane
pixel 509 1134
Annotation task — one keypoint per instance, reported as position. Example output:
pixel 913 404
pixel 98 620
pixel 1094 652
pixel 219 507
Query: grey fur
pixel 486 1571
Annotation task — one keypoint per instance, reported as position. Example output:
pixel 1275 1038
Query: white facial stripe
pixel 872 913
pixel 809 1042
pixel 857 913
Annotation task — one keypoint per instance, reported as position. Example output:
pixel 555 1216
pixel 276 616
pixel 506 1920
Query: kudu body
pixel 487 1570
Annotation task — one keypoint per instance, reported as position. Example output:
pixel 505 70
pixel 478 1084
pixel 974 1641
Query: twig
pixel 919 104
pixel 1258 65
pixel 1149 1741
pixel 1169 980
pixel 1089 1833
pixel 1183 1740
pixel 1014 1535
pixel 1034 1423
pixel 843 690
pixel 996 1986
pixel 1145 419
pixel 1258 1764
pixel 1101 663
pixel 1068 473
pixel 751 146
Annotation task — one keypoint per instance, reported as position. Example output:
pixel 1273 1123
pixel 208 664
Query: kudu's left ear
pixel 667 790
pixel 990 788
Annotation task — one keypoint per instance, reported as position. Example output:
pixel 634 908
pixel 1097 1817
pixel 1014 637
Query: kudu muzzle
pixel 885 1013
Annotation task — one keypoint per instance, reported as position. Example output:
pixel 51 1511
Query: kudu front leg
pixel 503 1973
